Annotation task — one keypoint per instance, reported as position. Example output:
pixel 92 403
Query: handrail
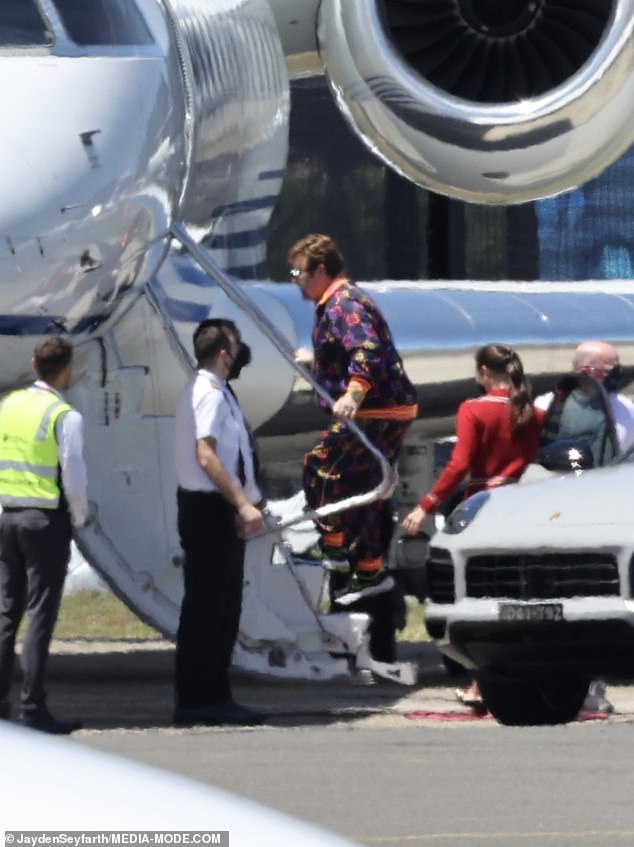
pixel 235 293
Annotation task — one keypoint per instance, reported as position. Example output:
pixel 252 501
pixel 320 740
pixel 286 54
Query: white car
pixel 52 784
pixel 531 586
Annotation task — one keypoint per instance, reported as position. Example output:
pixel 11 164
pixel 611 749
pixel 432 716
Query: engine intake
pixel 496 51
pixel 489 101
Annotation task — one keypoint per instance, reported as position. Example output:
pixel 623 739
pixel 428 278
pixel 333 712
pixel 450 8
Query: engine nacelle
pixel 489 101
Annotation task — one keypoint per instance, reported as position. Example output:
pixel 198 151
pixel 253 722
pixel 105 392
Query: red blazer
pixel 488 448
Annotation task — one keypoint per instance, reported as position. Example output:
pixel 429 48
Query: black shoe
pixel 43 721
pixel 365 585
pixel 223 713
pixel 331 558
pixel 5 711
pixel 246 715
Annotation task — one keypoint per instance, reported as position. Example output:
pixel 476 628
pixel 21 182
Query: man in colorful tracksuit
pixel 43 497
pixel 355 360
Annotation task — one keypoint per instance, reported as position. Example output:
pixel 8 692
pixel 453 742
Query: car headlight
pixel 464 514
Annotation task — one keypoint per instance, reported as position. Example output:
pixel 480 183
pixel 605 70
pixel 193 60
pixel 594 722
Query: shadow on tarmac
pixel 130 686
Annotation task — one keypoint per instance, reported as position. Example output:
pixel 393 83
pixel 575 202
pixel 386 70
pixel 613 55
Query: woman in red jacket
pixel 497 437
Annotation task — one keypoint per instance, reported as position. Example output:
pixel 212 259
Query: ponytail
pixel 504 361
pixel 521 394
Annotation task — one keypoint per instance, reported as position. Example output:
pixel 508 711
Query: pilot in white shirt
pixel 217 508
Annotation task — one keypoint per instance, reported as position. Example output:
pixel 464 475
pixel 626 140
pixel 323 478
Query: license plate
pixel 530 612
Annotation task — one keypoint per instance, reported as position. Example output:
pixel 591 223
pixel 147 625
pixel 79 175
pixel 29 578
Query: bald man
pixel 600 360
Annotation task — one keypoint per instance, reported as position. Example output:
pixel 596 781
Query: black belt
pixel 198 493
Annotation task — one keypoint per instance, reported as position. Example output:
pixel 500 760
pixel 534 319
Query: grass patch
pixel 414 628
pixel 99 615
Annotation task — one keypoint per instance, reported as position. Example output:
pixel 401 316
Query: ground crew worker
pixel 43 497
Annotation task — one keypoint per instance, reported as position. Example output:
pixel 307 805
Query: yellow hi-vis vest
pixel 29 462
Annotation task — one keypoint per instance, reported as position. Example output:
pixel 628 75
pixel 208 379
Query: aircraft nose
pixel 91 168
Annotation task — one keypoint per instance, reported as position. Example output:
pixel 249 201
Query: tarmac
pixel 128 685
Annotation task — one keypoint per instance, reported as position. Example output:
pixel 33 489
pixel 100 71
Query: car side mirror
pixel 565 455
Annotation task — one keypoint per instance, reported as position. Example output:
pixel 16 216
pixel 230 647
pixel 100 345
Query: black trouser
pixel 210 614
pixel 34 555
pixel 387 614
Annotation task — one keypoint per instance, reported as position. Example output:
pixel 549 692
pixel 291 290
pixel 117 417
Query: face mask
pixel 612 382
pixel 242 359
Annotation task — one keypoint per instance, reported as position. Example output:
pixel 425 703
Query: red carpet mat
pixel 478 716
pixel 593 716
pixel 449 716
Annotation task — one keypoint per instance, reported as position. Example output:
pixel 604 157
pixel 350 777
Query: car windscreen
pixel 91 23
pixel 22 25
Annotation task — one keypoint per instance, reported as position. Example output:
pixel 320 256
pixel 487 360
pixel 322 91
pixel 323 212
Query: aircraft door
pixel 126 388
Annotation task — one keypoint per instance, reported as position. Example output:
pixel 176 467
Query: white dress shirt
pixel 623 411
pixel 69 431
pixel 206 409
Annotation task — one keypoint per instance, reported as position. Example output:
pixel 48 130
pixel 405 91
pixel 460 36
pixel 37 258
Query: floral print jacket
pixel 353 345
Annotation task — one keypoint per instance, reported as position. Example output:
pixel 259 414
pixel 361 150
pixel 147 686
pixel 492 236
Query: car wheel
pixel 520 702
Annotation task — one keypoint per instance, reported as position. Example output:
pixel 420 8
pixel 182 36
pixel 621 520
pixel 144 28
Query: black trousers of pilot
pixel 34 556
pixel 210 614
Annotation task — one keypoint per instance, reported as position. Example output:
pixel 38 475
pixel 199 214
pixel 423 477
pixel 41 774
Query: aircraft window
pixel 103 22
pixel 21 24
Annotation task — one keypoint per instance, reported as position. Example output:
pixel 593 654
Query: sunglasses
pixel 295 273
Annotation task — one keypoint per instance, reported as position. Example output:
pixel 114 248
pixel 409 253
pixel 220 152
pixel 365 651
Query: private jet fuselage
pixel 126 121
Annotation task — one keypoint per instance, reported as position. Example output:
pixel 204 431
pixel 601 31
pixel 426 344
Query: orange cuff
pixel 370 565
pixel 359 385
pixel 334 539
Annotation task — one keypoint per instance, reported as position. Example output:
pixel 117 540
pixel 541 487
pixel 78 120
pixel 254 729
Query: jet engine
pixel 489 101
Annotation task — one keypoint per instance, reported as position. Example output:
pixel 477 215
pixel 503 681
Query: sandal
pixel 472 701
